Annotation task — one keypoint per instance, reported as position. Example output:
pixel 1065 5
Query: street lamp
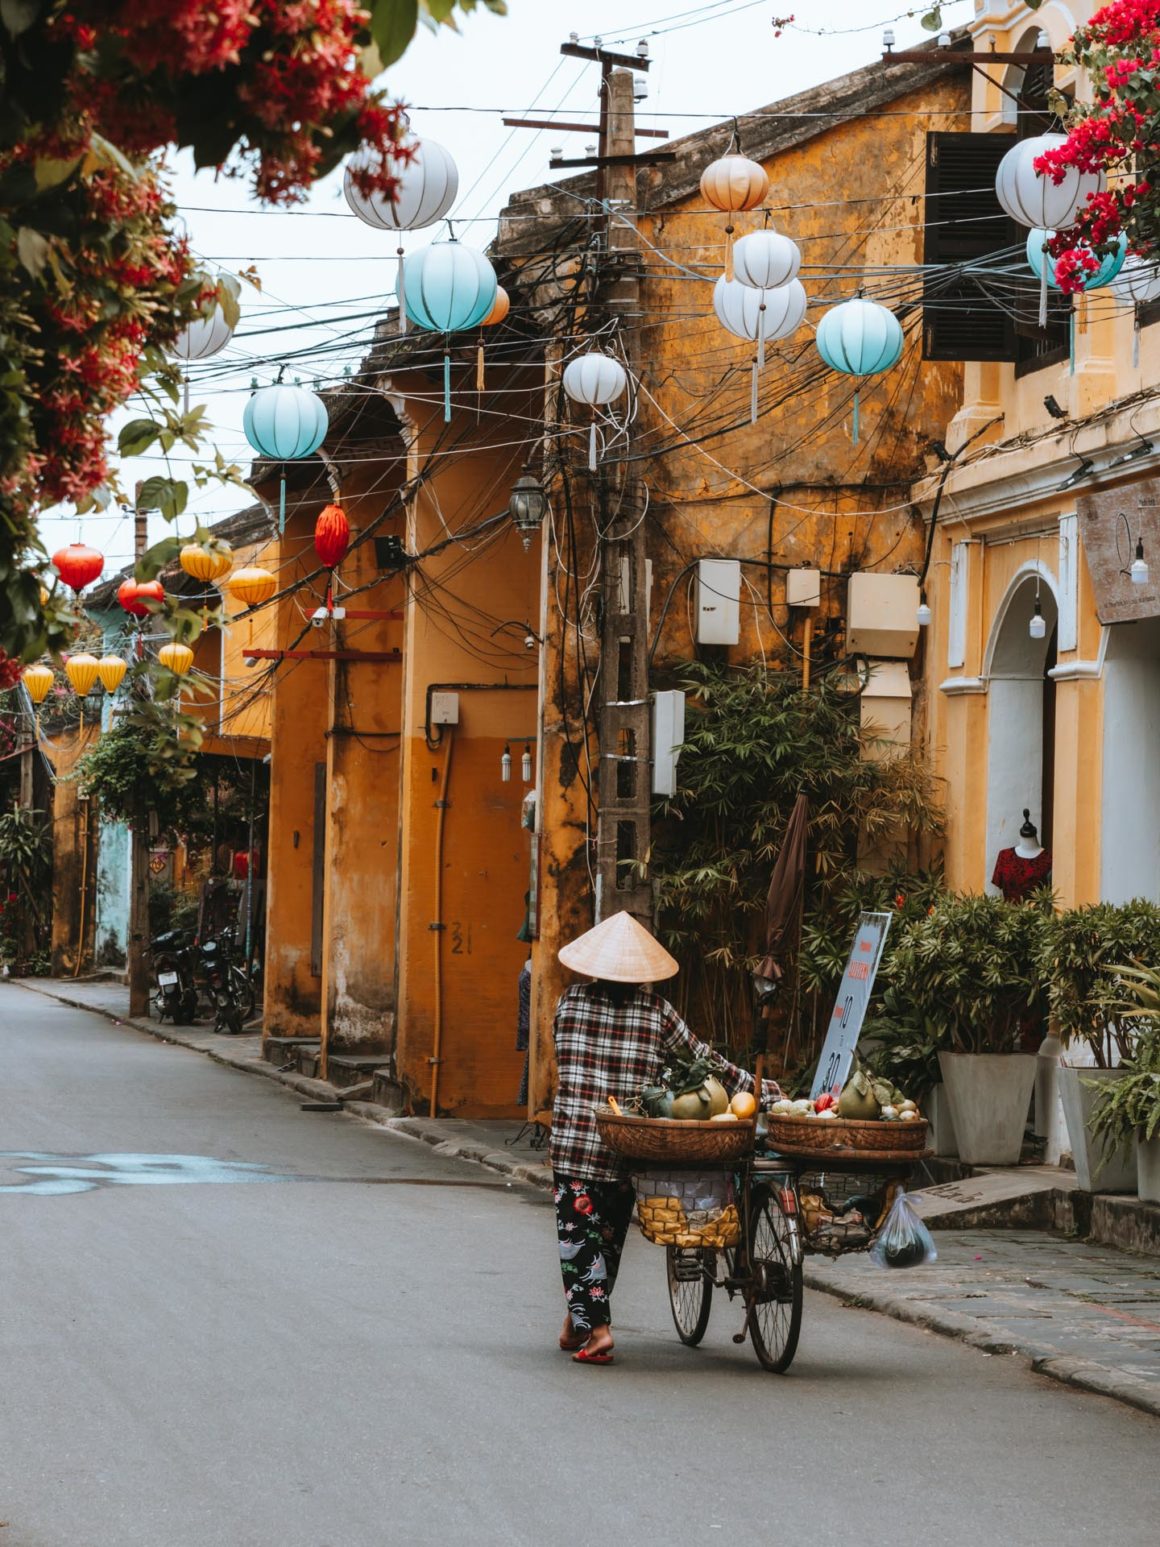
pixel 527 506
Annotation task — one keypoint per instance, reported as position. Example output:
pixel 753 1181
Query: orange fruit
pixel 743 1104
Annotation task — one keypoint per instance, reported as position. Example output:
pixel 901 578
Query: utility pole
pixel 138 951
pixel 623 833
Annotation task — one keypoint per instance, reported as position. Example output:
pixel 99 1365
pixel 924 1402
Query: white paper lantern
pixel 759 315
pixel 428 184
pixel 764 260
pixel 1032 198
pixel 205 337
pixel 594 380
pixel 1138 281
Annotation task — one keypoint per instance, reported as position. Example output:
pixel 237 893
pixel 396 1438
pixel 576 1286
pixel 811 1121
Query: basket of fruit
pixel 870 1120
pixel 687 1119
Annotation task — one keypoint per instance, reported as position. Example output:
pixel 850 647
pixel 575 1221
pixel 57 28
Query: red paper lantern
pixel 134 594
pixel 332 536
pixel 78 564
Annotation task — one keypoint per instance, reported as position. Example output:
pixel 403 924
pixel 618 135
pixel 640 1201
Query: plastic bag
pixel 904 1241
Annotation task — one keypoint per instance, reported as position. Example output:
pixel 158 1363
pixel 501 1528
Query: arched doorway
pixel 1021 715
pixel 1130 797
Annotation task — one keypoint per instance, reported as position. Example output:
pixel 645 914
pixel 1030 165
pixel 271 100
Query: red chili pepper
pixel 824 1102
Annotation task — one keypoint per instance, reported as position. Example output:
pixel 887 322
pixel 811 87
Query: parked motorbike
pixel 218 976
pixel 174 977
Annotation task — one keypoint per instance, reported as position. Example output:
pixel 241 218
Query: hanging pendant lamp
pixel 594 380
pixel 731 184
pixel 448 288
pixel 859 338
pixel 285 423
pixel 760 316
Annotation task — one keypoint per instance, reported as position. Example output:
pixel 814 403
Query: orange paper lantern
pixel 133 595
pixel 81 670
pixel 206 564
pixel 499 308
pixel 252 585
pixel 78 564
pixel 177 658
pixel 38 679
pixel 111 669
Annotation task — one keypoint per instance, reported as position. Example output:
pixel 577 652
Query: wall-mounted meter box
pixel 668 732
pixel 803 587
pixel 444 708
pixel 882 615
pixel 718 601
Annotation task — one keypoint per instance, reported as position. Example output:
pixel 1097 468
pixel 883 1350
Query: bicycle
pixel 777 1232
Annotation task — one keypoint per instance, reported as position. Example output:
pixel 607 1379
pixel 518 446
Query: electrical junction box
pixel 668 734
pixel 718 601
pixel 885 707
pixel 803 588
pixel 882 615
pixel 444 708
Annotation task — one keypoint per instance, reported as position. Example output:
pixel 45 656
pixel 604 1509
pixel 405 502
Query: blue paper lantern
pixel 1043 264
pixel 859 338
pixel 285 423
pixel 448 287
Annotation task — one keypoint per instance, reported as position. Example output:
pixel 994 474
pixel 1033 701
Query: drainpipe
pixel 85 809
pixel 440 826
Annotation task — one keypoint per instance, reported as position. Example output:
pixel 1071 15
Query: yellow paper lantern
pixel 111 669
pixel 206 564
pixel 178 658
pixel 252 585
pixel 38 679
pixel 81 670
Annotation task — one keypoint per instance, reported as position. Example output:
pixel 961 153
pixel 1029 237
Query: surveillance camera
pixel 318 617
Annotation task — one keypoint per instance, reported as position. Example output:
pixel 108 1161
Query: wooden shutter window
pixel 965 223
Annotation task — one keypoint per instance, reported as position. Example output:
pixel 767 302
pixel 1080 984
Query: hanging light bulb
pixel 505 765
pixel 1037 628
pixel 923 615
pixel 1139 566
pixel 526 765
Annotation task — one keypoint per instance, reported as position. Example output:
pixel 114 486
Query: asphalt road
pixel 353 1345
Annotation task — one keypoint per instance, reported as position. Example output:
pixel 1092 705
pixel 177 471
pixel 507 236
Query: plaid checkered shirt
pixel 612 1047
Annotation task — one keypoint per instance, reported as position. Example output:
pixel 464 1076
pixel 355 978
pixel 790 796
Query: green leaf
pixel 137 436
pixel 393 24
pixel 167 495
pixel 932 21
pixel 32 250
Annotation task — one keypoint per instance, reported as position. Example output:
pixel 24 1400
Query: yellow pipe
pixel 440 825
pixel 807 639
pixel 85 807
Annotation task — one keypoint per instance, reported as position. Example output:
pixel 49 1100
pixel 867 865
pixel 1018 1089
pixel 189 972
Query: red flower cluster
pixel 1118 135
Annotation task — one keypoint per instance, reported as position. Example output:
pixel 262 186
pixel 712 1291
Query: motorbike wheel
pixel 185 1009
pixel 229 1019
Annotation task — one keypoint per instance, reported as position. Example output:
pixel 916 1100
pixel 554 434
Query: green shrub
pixel 1081 955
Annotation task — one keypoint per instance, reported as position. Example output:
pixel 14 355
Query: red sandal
pixel 584 1357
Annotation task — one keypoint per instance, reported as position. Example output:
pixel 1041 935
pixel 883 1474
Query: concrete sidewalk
pixel 1086 1315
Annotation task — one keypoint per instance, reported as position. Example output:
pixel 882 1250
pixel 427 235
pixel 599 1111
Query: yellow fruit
pixel 743 1104
pixel 724 1117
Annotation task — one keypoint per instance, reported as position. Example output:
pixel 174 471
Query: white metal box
pixel 882 615
pixel 668 732
pixel 718 601
pixel 803 588
pixel 444 708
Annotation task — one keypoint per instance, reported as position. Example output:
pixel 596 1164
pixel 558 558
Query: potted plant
pixel 1128 1109
pixel 1081 952
pixel 903 1047
pixel 968 968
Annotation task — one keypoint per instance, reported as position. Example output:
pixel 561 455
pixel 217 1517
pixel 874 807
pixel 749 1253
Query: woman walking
pixel 613 1036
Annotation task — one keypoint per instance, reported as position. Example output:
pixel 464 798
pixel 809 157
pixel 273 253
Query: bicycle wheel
pixel 774 1298
pixel 691 1272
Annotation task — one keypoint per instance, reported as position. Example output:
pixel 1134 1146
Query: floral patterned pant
pixel 592 1219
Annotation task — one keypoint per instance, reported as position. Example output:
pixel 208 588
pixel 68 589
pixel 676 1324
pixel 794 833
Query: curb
pixel 434 1132
pixel 989 1338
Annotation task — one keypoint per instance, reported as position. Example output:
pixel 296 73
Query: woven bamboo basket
pixel 673 1141
pixel 839 1138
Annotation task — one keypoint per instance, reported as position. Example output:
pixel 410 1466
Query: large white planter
pixel 1094 1171
pixel 990 1095
pixel 937 1111
pixel 1148 1169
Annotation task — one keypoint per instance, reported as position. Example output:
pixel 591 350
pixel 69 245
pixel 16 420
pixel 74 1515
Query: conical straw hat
pixel 621 951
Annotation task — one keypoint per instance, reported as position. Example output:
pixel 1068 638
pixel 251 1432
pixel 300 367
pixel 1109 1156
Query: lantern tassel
pixel 1043 292
pixel 479 366
pixel 282 505
pixel 592 447
pixel 1071 342
pixel 447 388
pixel 854 423
pixel 400 292
pixel 753 393
pixel 1136 342
pixel 185 397
pixel 728 252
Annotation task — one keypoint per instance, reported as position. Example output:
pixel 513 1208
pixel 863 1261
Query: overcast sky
pixel 325 275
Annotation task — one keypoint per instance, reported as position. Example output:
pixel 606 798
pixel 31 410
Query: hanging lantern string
pixel 400 288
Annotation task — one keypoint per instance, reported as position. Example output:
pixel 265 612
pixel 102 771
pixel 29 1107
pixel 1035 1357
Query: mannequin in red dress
pixel 1019 871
